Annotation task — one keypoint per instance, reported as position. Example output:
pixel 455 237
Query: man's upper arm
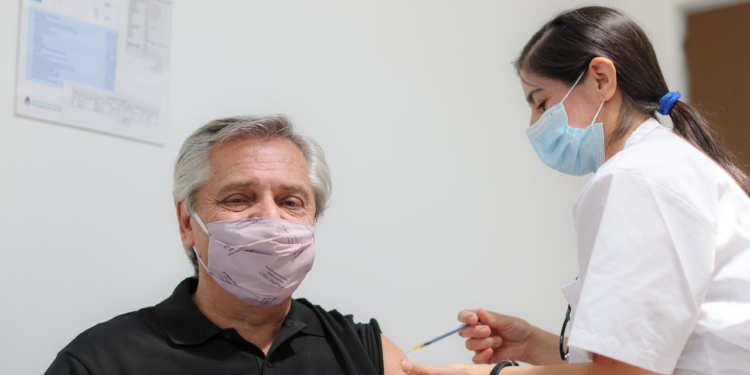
pixel 66 364
pixel 392 357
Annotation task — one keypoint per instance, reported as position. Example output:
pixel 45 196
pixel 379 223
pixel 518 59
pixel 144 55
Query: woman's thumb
pixel 413 368
pixel 410 368
pixel 487 318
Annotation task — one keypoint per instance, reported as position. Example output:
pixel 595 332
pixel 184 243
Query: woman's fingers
pixel 485 343
pixel 478 331
pixel 494 335
pixel 483 317
pixel 491 319
pixel 483 356
pixel 413 368
pixel 468 317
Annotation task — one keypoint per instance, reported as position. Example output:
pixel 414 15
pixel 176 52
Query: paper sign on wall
pixel 96 64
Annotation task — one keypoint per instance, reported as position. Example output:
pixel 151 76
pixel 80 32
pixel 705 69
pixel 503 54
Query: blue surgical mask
pixel 568 150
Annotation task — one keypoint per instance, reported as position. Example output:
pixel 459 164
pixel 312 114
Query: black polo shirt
pixel 174 337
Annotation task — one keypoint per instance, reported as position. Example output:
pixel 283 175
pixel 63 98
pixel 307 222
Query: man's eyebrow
pixel 296 189
pixel 234 186
pixel 530 97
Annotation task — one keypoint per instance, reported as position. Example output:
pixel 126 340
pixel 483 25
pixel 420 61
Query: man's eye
pixel 235 200
pixel 236 203
pixel 292 202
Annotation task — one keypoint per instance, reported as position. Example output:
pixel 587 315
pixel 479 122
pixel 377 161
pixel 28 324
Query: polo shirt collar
pixel 181 319
pixel 185 324
pixel 301 314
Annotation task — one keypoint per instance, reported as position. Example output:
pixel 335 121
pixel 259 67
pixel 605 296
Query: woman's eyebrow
pixel 530 97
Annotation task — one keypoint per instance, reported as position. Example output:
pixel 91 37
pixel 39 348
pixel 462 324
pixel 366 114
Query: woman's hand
pixel 600 366
pixel 495 337
pixel 413 368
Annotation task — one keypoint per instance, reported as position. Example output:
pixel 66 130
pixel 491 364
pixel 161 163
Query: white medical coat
pixel 664 261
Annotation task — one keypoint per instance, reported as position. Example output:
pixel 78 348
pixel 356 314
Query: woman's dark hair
pixel 564 47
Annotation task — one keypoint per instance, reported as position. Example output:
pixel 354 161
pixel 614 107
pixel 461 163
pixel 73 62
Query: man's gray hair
pixel 192 169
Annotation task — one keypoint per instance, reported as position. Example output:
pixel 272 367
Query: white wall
pixel 439 202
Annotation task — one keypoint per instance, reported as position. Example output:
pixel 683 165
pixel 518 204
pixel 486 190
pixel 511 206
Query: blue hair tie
pixel 668 101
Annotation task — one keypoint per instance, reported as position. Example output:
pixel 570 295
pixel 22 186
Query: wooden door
pixel 718 55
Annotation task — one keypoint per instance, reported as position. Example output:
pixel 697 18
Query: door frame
pixel 696 6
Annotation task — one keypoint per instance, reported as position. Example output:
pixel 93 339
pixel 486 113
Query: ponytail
pixel 689 124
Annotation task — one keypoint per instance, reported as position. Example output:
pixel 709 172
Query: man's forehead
pixel 231 159
pixel 263 151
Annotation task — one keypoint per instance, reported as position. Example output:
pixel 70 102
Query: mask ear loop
pixel 203 226
pixel 200 222
pixel 572 87
pixel 598 111
pixel 201 261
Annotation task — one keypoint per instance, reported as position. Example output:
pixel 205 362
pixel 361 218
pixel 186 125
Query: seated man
pixel 248 191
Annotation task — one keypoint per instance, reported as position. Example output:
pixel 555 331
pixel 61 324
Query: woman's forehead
pixel 534 80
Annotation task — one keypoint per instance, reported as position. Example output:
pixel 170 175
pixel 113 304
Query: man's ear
pixel 186 228
pixel 604 73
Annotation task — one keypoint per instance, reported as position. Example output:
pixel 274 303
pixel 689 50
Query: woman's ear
pixel 604 73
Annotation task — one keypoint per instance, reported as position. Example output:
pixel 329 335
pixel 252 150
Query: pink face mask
pixel 261 261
